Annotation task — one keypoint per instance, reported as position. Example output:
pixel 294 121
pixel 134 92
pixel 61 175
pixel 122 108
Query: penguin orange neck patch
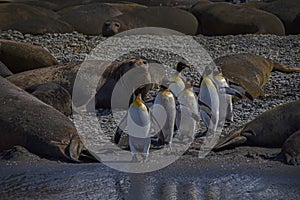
pixel 138 101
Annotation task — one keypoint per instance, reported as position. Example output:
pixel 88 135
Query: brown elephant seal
pixel 54 95
pixel 28 122
pixel 250 71
pixel 87 19
pixel 165 17
pixel 114 74
pixel 31 19
pixel 278 127
pixel 223 18
pixel 286 11
pixel 19 56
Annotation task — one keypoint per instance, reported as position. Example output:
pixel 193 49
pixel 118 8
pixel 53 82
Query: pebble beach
pixel 281 87
pixel 251 172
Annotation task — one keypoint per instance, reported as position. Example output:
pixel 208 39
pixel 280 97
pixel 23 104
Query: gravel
pixel 281 87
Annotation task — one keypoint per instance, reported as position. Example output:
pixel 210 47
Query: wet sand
pixel 241 173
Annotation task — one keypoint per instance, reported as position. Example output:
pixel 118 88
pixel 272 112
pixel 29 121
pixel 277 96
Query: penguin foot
pixel 144 158
pixel 134 158
pixel 168 147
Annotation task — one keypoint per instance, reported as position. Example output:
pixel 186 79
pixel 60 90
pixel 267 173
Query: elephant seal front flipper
pixel 234 139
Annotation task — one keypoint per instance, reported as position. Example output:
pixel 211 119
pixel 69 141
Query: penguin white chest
pixel 209 96
pixel 186 120
pixel 138 121
pixel 164 111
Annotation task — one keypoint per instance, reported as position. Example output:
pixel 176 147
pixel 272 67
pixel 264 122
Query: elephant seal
pixel 286 11
pixel 19 56
pixel 114 74
pixel 250 71
pixel 278 127
pixel 223 18
pixel 87 19
pixel 54 95
pixel 28 122
pixel 165 17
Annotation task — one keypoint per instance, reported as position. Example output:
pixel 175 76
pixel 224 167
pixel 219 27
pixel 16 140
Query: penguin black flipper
pixel 203 106
pixel 159 135
pixel 241 90
pixel 231 91
pixel 196 89
pixel 119 132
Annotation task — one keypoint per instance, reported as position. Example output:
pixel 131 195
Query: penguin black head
pixel 181 65
pixel 162 87
pixel 135 93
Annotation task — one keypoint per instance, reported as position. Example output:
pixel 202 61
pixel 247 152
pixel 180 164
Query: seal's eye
pixel 117 25
pixel 144 62
pixel 107 23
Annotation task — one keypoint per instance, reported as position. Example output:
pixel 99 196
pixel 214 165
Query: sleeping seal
pixel 278 127
pixel 250 71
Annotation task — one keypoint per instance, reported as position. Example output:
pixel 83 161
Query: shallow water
pixel 184 179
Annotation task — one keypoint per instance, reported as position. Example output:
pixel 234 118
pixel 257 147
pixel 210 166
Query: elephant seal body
pixel 28 122
pixel 250 71
pixel 278 127
pixel 54 95
pixel 61 74
pixel 126 6
pixel 113 78
pixel 222 18
pixel 286 11
pixel 165 17
pixel 19 56
pixel 87 19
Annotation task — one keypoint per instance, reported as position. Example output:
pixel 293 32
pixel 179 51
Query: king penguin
pixel 177 83
pixel 138 125
pixel 209 95
pixel 164 112
pixel 187 115
pixel 226 108
pixel 225 96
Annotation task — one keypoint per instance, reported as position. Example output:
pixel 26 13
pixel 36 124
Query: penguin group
pixel 178 107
